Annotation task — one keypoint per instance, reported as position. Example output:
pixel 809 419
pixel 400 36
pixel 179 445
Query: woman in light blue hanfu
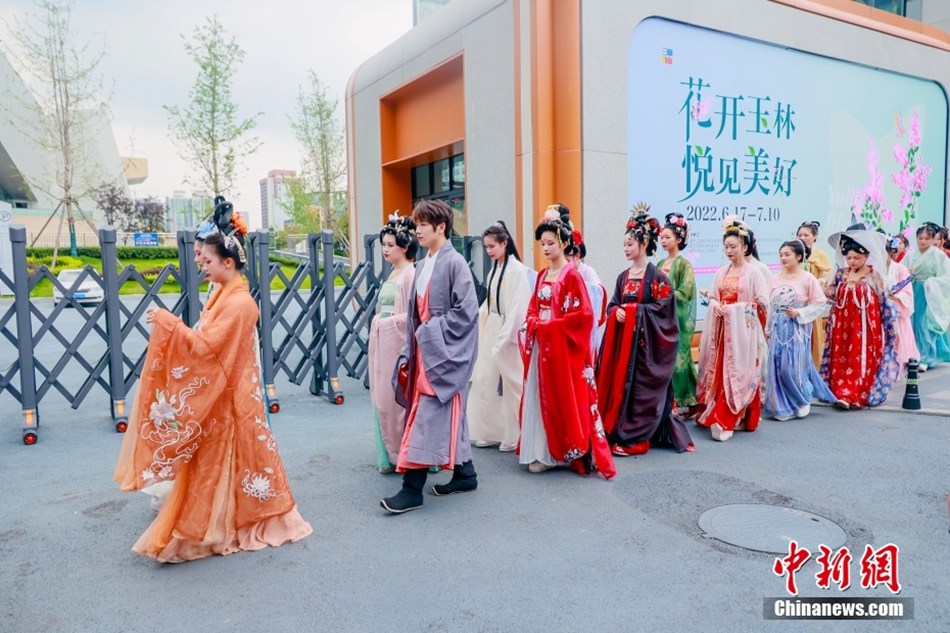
pixel 931 270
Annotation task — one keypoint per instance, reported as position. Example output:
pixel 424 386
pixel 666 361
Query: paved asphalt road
pixel 546 552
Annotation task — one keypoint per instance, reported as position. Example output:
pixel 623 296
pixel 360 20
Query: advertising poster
pixel 721 125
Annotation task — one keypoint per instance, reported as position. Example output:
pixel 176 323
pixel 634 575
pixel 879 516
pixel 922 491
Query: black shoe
pixel 402 501
pixel 455 486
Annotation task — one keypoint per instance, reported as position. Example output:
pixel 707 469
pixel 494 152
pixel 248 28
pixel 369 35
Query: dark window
pixel 907 8
pixel 444 180
pixel 420 181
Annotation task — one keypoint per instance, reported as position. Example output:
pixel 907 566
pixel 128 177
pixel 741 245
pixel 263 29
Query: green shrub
pixel 147 252
pixel 62 261
pixel 122 252
pixel 284 260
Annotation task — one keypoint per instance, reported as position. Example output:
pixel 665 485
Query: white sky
pixel 146 63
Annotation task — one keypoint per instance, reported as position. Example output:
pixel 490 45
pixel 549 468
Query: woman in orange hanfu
pixel 199 421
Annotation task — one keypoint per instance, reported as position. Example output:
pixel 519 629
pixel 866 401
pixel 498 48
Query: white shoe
pixel 507 448
pixel 486 444
pixel 719 434
pixel 538 467
pixel 922 367
pixel 784 418
pixel 803 411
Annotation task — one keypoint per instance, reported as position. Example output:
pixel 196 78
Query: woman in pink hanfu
pixel 387 337
pixel 732 348
pixel 903 299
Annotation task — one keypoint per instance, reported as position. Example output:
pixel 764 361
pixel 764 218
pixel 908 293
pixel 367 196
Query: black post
pixel 110 276
pixel 254 261
pixel 329 297
pixel 260 255
pixel 317 382
pixel 24 330
pixel 912 390
pixel 189 273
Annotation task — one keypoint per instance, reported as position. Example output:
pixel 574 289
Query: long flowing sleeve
pixel 903 298
pixel 184 378
pixel 819 264
pixel 515 295
pixel 575 313
pixel 816 304
pixel 684 284
pixel 616 300
pixel 401 307
pixel 936 278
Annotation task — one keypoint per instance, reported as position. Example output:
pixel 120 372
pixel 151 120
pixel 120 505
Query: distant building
pixel 184 212
pixel 275 198
pixel 22 161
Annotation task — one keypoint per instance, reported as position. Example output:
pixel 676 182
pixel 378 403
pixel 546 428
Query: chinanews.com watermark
pixel 838 608
pixel 877 567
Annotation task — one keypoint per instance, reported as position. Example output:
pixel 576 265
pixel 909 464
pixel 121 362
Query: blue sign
pixel 146 239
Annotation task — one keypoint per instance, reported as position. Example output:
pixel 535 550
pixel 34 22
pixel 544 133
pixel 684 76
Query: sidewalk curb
pixel 893 408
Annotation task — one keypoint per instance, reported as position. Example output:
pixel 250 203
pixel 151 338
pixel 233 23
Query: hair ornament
pixel 205 228
pixel 676 219
pixel 643 227
pixel 732 225
pixel 239 223
pixel 233 243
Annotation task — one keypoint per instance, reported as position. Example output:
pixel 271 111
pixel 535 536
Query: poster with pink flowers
pixel 721 125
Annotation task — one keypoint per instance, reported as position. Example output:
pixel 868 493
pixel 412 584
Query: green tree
pixel 321 137
pixel 299 204
pixel 66 101
pixel 208 132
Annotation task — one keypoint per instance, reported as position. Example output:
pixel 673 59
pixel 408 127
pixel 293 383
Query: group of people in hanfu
pixel 552 365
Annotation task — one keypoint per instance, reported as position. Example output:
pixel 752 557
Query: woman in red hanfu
pixel 860 360
pixel 560 424
pixel 199 421
pixel 732 349
pixel 639 352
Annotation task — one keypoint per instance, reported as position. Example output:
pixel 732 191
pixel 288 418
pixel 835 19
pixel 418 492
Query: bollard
pixel 912 391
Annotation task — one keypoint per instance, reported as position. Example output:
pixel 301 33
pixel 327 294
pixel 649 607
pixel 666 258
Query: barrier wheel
pixel 122 426
pixel 338 399
pixel 29 438
pixel 275 407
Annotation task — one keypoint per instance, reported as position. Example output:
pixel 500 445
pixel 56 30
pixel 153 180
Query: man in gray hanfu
pixel 432 374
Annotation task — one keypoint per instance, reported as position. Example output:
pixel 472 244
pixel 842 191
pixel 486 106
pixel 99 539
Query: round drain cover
pixel 767 528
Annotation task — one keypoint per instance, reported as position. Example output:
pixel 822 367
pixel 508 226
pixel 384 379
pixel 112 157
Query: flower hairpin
pixel 553 212
pixel 676 219
pixel 239 224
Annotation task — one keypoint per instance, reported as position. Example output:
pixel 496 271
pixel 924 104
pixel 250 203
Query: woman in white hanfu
pixel 497 379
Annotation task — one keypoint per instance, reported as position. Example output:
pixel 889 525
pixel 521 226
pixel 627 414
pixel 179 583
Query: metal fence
pixel 314 327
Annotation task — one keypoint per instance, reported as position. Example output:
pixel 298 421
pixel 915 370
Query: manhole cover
pixel 766 528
